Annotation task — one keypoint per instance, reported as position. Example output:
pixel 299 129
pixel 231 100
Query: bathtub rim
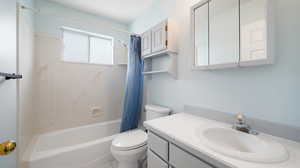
pixel 61 131
pixel 29 154
pixel 50 153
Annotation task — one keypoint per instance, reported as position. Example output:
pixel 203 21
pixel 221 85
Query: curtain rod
pixel 38 11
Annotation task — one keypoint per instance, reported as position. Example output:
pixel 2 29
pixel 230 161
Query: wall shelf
pixel 159 54
pixel 170 69
pixel 159 46
pixel 155 72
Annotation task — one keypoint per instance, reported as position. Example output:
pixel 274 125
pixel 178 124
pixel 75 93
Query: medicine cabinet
pixel 231 33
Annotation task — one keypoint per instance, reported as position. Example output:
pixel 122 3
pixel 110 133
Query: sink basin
pixel 243 146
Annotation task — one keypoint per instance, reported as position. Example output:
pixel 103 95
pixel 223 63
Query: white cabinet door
pixel 146 43
pixel 159 37
pixel 8 89
pixel 224 32
pixel 253 41
pixel 253 30
pixel 155 162
pixel 182 159
pixel 158 145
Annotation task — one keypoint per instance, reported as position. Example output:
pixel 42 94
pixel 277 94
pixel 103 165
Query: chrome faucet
pixel 241 125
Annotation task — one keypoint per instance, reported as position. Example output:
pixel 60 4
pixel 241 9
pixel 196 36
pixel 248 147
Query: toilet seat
pixel 130 140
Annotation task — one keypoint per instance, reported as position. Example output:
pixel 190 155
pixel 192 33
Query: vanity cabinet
pixel 155 162
pixel 231 33
pixel 180 158
pixel 163 154
pixel 158 145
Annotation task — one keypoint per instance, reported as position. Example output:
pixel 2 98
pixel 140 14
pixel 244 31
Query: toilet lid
pixel 130 140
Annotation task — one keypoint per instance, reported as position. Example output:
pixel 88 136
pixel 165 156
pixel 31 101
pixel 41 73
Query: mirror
pixel 201 38
pixel 224 32
pixel 253 30
pixel 230 33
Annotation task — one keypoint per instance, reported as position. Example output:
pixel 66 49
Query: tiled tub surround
pixel 179 131
pixel 66 93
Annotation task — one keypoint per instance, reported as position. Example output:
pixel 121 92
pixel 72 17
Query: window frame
pixel 89 36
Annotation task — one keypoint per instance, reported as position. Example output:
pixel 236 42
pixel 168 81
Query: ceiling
pixel 123 11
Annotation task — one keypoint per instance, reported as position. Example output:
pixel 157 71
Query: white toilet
pixel 129 147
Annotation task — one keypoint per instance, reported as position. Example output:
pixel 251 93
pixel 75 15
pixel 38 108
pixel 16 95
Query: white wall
pixel 66 93
pixel 8 89
pixel 267 92
pixel 25 86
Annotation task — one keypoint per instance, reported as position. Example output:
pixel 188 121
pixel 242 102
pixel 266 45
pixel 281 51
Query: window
pixel 84 47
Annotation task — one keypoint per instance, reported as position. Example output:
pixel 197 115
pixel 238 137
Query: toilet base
pixel 128 165
pixel 130 158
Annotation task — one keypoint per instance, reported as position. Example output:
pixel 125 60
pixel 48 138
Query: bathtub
pixel 82 147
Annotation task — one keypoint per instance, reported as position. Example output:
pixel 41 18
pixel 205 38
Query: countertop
pixel 179 129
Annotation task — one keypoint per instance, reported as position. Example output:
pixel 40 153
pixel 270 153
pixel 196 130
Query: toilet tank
pixel 154 111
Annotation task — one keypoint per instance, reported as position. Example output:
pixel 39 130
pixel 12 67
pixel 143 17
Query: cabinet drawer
pixel 181 159
pixel 155 162
pixel 158 145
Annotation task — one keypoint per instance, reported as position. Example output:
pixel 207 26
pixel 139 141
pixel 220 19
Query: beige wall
pixel 66 93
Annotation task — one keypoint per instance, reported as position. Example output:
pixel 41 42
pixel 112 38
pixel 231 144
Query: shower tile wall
pixel 67 93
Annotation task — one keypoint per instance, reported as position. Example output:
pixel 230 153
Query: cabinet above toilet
pixel 160 41
pixel 159 38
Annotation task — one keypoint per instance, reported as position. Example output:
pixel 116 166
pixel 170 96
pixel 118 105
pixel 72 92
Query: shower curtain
pixel 134 87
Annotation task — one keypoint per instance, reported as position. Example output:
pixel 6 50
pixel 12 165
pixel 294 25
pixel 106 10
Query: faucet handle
pixel 241 125
pixel 240 118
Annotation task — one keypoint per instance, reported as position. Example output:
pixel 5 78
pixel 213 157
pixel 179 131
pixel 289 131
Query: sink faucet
pixel 241 125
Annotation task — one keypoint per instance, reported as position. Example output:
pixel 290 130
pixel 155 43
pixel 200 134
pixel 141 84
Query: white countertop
pixel 180 129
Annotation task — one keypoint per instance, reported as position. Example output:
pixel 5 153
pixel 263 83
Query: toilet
pixel 129 147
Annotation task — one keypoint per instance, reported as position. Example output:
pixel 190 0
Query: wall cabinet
pixel 146 43
pixel 160 38
pixel 223 32
pixel 160 41
pixel 231 33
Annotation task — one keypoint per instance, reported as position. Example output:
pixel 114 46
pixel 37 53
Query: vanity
pixel 164 154
pixel 186 140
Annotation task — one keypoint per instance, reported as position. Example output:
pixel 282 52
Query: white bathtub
pixel 82 147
